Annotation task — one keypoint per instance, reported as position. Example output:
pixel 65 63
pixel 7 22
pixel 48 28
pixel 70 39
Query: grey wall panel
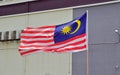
pixel 104 50
pixel 79 63
pixel 102 59
pixel 117 68
pixel 102 22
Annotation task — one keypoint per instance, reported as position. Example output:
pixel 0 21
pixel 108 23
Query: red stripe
pixel 46 41
pixel 49 46
pixel 28 37
pixel 27 52
pixel 31 32
pixel 69 40
pixel 71 44
pixel 65 50
pixel 76 43
pixel 49 49
pixel 36 41
pixel 31 46
pixel 73 49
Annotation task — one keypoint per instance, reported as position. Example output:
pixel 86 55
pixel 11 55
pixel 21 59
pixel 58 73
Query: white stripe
pixel 51 43
pixel 30 48
pixel 76 40
pixel 72 46
pixel 44 48
pixel 37 44
pixel 24 39
pixel 51 47
pixel 73 51
pixel 78 50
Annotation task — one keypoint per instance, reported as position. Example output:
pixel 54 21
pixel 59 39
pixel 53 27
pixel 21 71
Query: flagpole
pixel 87 52
pixel 28 14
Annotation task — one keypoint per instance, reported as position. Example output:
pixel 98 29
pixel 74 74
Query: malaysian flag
pixel 67 37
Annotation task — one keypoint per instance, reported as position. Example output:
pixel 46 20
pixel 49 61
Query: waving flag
pixel 68 37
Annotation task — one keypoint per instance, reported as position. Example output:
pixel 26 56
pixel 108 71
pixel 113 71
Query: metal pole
pixel 87 52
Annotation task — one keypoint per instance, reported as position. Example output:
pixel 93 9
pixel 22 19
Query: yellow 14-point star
pixel 66 30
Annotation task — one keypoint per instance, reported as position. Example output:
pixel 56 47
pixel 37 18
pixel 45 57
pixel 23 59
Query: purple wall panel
pixel 14 9
pixel 41 5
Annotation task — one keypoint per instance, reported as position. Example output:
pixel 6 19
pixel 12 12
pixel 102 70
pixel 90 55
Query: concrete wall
pixel 11 63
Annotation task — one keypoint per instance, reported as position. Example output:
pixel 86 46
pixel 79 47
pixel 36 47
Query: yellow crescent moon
pixel 79 24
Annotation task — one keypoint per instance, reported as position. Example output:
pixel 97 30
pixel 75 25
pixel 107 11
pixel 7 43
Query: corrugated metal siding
pixel 104 51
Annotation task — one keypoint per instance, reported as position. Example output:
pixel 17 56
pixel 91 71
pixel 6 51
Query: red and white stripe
pixel 41 39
